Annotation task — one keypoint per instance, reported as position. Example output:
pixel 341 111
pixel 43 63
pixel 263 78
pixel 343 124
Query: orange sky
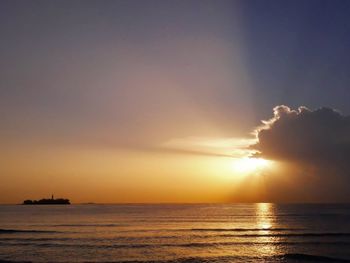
pixel 208 174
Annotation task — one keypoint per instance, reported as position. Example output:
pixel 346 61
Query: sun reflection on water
pixel 265 220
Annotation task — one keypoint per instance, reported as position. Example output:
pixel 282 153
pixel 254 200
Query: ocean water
pixel 175 233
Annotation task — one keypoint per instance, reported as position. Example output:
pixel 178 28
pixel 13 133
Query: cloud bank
pixel 316 142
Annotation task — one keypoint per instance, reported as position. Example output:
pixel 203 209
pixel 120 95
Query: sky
pixel 162 101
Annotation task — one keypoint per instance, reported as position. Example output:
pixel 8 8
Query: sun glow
pixel 250 165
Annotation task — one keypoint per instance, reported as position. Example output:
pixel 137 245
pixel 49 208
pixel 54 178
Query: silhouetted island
pixel 52 201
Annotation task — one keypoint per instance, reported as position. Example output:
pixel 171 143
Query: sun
pixel 250 165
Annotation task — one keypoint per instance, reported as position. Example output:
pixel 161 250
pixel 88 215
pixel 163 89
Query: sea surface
pixel 175 233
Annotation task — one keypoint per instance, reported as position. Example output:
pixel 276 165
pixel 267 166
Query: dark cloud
pixel 316 142
pixel 305 135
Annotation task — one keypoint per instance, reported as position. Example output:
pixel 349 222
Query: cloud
pixel 305 135
pixel 315 142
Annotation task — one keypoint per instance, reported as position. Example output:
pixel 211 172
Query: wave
pixel 88 225
pixel 290 235
pixel 230 259
pixel 199 240
pixel 85 245
pixel 244 229
pixel 314 258
pixel 9 231
pixel 289 257
pixel 10 261
pixel 214 230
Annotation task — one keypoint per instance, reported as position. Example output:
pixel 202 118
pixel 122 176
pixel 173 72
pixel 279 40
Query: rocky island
pixel 48 201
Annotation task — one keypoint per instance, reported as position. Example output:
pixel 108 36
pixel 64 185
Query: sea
pixel 181 233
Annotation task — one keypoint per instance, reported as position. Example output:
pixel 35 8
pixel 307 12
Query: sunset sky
pixel 163 101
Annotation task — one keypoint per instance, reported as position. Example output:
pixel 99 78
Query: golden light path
pixel 265 221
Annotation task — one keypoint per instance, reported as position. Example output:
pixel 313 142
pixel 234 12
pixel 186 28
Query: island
pixel 48 201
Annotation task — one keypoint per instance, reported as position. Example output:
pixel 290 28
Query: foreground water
pixel 175 233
